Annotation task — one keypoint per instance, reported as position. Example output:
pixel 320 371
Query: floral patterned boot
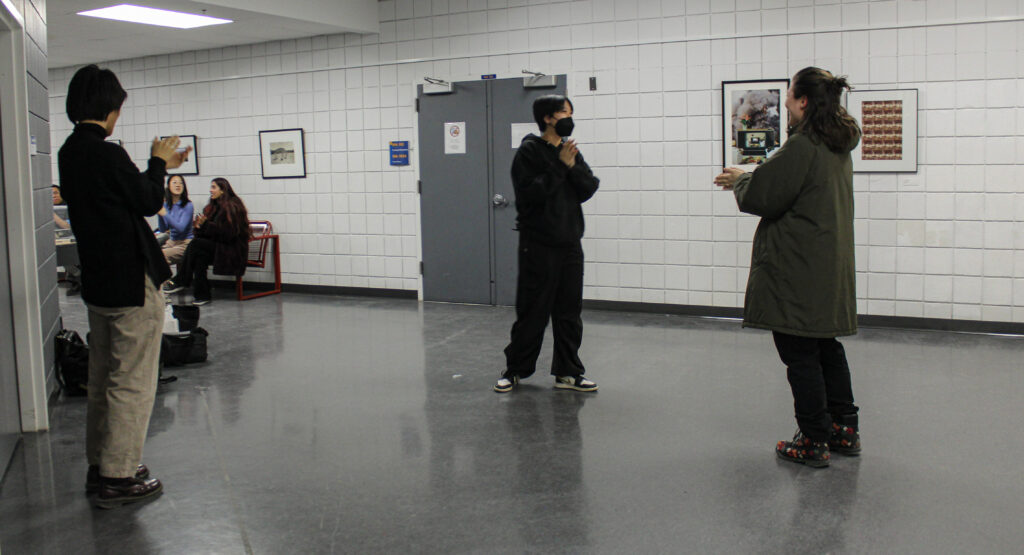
pixel 844 439
pixel 804 451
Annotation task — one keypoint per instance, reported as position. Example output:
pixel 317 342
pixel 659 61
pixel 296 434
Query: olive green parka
pixel 802 273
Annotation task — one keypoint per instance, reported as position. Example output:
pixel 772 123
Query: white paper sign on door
pixel 520 130
pixel 455 137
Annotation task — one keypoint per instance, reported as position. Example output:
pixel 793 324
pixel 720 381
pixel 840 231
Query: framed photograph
pixel 888 124
pixel 190 166
pixel 282 153
pixel 754 121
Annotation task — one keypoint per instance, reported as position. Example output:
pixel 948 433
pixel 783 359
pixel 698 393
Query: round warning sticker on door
pixel 455 137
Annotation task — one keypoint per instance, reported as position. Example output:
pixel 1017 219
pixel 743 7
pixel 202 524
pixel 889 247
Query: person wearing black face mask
pixel 551 181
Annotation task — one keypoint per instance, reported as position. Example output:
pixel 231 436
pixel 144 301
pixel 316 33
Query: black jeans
pixel 820 379
pixel 550 286
pixel 192 268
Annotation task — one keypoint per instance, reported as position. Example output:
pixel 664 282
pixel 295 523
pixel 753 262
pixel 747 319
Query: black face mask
pixel 564 127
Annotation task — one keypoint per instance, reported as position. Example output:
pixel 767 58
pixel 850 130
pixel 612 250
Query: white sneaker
pixel 505 385
pixel 575 383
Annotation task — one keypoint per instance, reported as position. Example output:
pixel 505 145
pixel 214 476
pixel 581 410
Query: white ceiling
pixel 77 40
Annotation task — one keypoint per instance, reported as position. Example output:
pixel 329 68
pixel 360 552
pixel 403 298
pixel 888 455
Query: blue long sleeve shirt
pixel 178 220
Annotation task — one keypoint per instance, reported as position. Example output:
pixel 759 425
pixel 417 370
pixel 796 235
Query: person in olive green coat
pixel 802 275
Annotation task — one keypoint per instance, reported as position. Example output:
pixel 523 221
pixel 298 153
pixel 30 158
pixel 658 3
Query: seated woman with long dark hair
pixel 176 218
pixel 221 238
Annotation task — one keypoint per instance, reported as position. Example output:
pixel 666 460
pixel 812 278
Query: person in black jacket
pixel 551 181
pixel 108 200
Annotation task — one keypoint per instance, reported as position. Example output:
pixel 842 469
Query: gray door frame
pixel 457 275
pixel 10 411
pixel 21 237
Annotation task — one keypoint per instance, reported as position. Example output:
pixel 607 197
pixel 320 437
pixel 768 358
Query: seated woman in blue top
pixel 176 217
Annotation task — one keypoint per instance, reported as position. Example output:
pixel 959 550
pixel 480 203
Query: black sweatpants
pixel 550 286
pixel 192 268
pixel 820 379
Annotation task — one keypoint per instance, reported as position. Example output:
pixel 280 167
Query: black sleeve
pixel 218 229
pixel 535 176
pixel 583 180
pixel 143 191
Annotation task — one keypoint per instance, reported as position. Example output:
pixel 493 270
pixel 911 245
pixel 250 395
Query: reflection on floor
pixel 355 425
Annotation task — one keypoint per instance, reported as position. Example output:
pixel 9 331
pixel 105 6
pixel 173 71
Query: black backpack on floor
pixel 72 363
pixel 177 350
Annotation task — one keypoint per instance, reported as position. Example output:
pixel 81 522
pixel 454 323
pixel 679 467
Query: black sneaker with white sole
pixel 171 287
pixel 575 383
pixel 505 384
pixel 200 302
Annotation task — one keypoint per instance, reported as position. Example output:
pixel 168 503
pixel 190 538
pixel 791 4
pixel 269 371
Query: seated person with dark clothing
pixel 62 225
pixel 221 238
pixel 58 200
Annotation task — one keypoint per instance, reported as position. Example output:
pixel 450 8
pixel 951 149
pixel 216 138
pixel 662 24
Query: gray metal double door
pixel 467 203
pixel 10 412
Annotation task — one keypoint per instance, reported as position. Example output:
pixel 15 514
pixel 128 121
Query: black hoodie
pixel 549 193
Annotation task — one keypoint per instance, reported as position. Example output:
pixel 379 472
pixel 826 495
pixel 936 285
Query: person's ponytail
pixel 825 118
pixel 838 85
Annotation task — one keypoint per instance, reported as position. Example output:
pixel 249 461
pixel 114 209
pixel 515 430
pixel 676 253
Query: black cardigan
pixel 108 200
pixel 549 194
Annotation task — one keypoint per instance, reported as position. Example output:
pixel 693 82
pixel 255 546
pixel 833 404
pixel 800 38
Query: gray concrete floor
pixel 355 425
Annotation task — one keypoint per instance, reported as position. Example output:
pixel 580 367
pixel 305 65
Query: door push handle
pixel 499 200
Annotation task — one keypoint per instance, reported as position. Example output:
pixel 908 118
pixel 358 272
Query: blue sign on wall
pixel 399 153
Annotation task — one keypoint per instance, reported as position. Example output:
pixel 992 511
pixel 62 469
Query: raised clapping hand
pixel 567 154
pixel 167 150
pixel 728 178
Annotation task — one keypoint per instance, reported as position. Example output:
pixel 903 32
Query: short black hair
pixel 93 93
pixel 546 106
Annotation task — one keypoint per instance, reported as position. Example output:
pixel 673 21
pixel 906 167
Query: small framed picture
pixel 190 166
pixel 754 121
pixel 888 125
pixel 282 153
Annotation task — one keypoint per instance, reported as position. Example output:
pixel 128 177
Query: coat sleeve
pixel 771 189
pixel 219 230
pixel 583 180
pixel 536 178
pixel 143 191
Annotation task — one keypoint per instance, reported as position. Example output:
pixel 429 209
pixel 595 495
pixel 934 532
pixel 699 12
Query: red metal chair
pixel 259 243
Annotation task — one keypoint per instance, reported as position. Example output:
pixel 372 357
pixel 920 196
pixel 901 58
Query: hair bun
pixel 838 83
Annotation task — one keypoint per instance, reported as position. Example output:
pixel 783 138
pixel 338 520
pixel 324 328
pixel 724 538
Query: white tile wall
pixel 947 242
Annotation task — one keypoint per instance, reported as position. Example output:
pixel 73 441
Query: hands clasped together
pixel 167 150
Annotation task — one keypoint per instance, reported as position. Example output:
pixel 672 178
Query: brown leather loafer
pixel 115 492
pixel 92 477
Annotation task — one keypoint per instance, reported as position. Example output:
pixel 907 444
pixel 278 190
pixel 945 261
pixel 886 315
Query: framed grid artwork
pixel 888 123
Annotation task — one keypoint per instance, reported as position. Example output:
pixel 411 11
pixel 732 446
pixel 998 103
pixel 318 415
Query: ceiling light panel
pixel 153 16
